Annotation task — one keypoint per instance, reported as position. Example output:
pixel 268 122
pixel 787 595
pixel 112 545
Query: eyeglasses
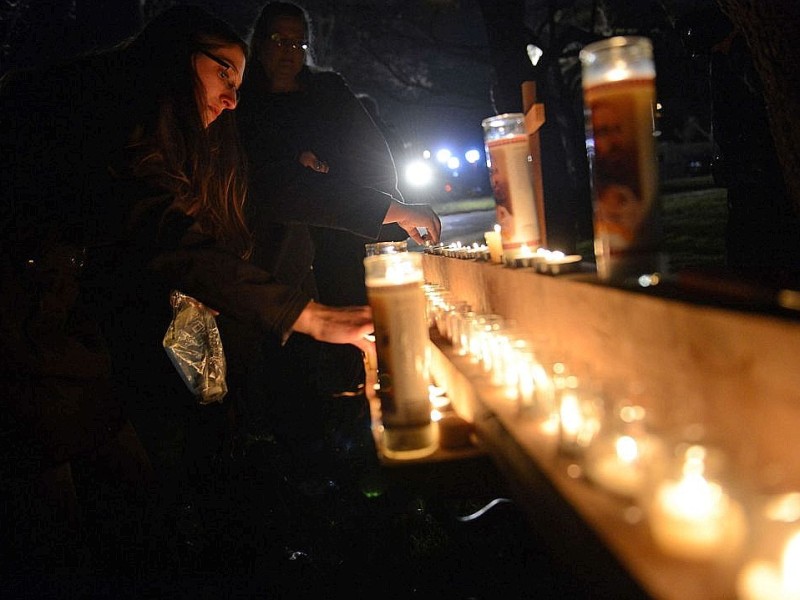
pixel 282 42
pixel 223 63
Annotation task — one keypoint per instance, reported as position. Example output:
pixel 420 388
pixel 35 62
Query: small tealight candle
pixel 495 243
pixel 557 263
pixel 694 517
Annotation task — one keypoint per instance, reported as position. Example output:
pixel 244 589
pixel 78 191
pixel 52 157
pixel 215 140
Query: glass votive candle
pixel 440 306
pixel 433 292
pixel 453 317
pixel 691 509
pixel 771 570
pixel 462 333
pixel 524 377
pixel 625 455
pixel 385 248
pixel 549 375
pixel 579 414
pixel 506 346
pixel 483 327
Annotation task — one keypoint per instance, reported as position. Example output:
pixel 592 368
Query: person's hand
pixel 338 325
pixel 412 218
pixel 310 160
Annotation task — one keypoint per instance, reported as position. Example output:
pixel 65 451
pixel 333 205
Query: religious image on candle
pixel 620 200
pixel 507 154
pixel 619 95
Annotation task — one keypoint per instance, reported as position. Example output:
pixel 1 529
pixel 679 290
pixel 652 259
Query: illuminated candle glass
pixel 440 307
pixel 483 327
pixel 691 513
pixel 460 307
pixel 432 293
pixel 395 293
pixel 508 156
pixel 385 248
pixel 505 347
pixel 579 415
pixel 625 456
pixel 523 375
pixel 618 76
pixel 463 332
pixel 549 377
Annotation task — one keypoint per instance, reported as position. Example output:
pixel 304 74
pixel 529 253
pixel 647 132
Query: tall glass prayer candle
pixel 394 290
pixel 619 100
pixel 507 156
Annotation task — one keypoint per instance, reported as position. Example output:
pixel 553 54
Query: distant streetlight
pixel 443 155
pixel 418 174
pixel 472 156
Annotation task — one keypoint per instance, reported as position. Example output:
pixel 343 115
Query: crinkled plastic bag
pixel 194 346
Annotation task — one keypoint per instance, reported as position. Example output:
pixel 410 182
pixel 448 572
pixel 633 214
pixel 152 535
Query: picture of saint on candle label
pixel 509 174
pixel 620 204
pixel 503 209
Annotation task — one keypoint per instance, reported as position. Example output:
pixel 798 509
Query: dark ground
pixel 254 533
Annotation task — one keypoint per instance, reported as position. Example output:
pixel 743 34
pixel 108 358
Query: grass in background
pixel 453 207
pixel 694 227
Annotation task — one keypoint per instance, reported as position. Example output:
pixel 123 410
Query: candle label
pixel 619 97
pixel 510 176
pixel 401 340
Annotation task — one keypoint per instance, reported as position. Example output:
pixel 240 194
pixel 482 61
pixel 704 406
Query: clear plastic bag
pixel 194 346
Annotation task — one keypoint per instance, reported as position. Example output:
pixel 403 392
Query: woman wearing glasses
pixel 127 160
pixel 323 182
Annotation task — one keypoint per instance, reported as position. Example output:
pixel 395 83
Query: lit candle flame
pixel 790 567
pixel 627 449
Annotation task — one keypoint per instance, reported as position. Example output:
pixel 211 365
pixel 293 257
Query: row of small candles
pixel 694 509
pixel 543 260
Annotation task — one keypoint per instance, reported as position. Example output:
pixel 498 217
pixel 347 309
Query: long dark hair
pixel 204 168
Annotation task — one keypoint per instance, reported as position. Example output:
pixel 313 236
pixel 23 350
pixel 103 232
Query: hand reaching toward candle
pixel 337 325
pixel 413 217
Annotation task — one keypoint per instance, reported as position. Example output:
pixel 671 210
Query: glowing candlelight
pixel 621 467
pixel 495 243
pixel 578 417
pixel 764 580
pixel 556 263
pixel 694 517
pixel 395 292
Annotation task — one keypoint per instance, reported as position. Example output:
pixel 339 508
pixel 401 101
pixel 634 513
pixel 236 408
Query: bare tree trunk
pixel 772 31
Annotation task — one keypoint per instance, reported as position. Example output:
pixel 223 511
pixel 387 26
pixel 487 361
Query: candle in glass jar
pixel 395 293
pixel 618 78
pixel 578 417
pixel 621 469
pixel 694 517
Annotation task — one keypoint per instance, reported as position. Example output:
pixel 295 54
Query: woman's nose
pixel 229 99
